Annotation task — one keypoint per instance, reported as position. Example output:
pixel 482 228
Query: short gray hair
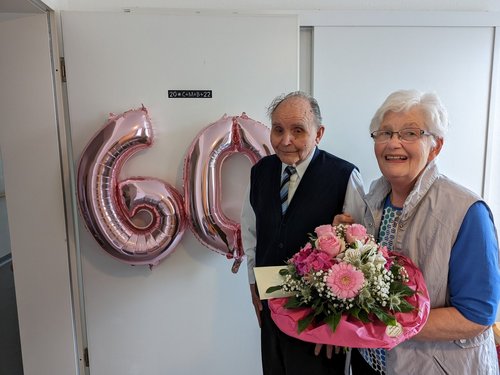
pixel 297 94
pixel 435 114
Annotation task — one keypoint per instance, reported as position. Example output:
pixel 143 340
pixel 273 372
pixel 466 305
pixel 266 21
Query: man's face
pixel 294 133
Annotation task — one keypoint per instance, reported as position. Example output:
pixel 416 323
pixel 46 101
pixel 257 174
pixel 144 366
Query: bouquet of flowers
pixel 347 290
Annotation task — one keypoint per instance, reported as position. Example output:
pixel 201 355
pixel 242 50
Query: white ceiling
pixel 31 6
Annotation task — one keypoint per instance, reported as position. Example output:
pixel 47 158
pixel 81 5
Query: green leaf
pixel 355 312
pixel 406 291
pixel 386 318
pixel 304 323
pixel 405 306
pixel 360 314
pixel 403 290
pixel 363 316
pixel 319 305
pixel 274 288
pixel 292 303
pixel 333 320
pixel 284 272
pixel 395 287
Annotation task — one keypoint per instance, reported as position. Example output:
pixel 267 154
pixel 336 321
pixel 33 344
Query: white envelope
pixel 267 277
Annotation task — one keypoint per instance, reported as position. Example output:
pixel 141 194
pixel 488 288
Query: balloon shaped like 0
pixel 202 180
pixel 111 209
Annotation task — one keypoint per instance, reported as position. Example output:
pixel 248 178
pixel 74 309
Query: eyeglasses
pixel 407 135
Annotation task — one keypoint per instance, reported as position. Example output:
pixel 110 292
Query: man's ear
pixel 319 133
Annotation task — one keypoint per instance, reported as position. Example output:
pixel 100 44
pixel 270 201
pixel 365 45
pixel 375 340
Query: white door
pixel 33 184
pixel 190 314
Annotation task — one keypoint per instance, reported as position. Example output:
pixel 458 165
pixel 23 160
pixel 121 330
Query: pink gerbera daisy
pixel 345 280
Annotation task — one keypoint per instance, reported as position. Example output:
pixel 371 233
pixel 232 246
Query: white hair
pixel 435 114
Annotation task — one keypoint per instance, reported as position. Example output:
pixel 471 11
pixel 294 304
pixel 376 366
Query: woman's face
pixel 402 162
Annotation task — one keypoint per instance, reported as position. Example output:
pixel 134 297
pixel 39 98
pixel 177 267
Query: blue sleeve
pixel 474 275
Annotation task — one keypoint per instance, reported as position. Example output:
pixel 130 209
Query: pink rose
pixel 322 262
pixel 330 244
pixel 324 230
pixel 299 260
pixel 316 261
pixel 302 255
pixel 307 247
pixel 355 232
pixel 302 268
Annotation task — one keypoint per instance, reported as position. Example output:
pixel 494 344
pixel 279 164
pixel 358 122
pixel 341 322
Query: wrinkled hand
pixel 329 350
pixel 343 218
pixel 257 303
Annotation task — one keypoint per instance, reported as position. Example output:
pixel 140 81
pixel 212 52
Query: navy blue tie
pixel 285 182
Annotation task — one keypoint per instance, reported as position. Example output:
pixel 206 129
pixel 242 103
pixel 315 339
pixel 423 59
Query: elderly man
pixel 290 194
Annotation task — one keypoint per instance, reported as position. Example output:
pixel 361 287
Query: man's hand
pixel 257 303
pixel 329 350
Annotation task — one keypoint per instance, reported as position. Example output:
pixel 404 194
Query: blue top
pixel 473 262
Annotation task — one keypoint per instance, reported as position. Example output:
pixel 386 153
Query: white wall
pixel 29 145
pixel 190 314
pixel 355 68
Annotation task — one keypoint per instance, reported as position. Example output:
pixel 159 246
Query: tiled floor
pixel 10 346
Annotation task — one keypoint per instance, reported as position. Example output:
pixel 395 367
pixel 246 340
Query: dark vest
pixel 318 198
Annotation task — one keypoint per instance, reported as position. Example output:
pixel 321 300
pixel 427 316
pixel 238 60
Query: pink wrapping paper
pixel 353 333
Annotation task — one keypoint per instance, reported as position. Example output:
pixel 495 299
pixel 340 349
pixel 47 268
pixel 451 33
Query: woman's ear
pixel 436 149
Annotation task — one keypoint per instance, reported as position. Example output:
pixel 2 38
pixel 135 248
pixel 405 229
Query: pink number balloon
pixel 202 180
pixel 110 207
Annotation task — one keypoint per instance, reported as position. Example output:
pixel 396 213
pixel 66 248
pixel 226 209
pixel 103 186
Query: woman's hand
pixel 343 218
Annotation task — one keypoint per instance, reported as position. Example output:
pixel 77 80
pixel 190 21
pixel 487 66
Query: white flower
pixel 351 255
pixel 379 260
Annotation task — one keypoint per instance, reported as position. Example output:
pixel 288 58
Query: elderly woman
pixel 447 230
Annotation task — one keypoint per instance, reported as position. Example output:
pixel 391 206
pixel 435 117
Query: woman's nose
pixel 395 139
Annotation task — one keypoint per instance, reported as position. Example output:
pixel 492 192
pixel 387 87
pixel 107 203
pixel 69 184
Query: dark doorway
pixel 10 345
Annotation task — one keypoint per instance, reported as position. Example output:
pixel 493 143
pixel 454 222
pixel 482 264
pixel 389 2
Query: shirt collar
pixel 301 168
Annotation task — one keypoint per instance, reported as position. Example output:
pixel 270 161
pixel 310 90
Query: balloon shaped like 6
pixel 109 207
pixel 202 180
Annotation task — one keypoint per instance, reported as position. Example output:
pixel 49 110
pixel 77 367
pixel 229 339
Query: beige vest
pixel 429 224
